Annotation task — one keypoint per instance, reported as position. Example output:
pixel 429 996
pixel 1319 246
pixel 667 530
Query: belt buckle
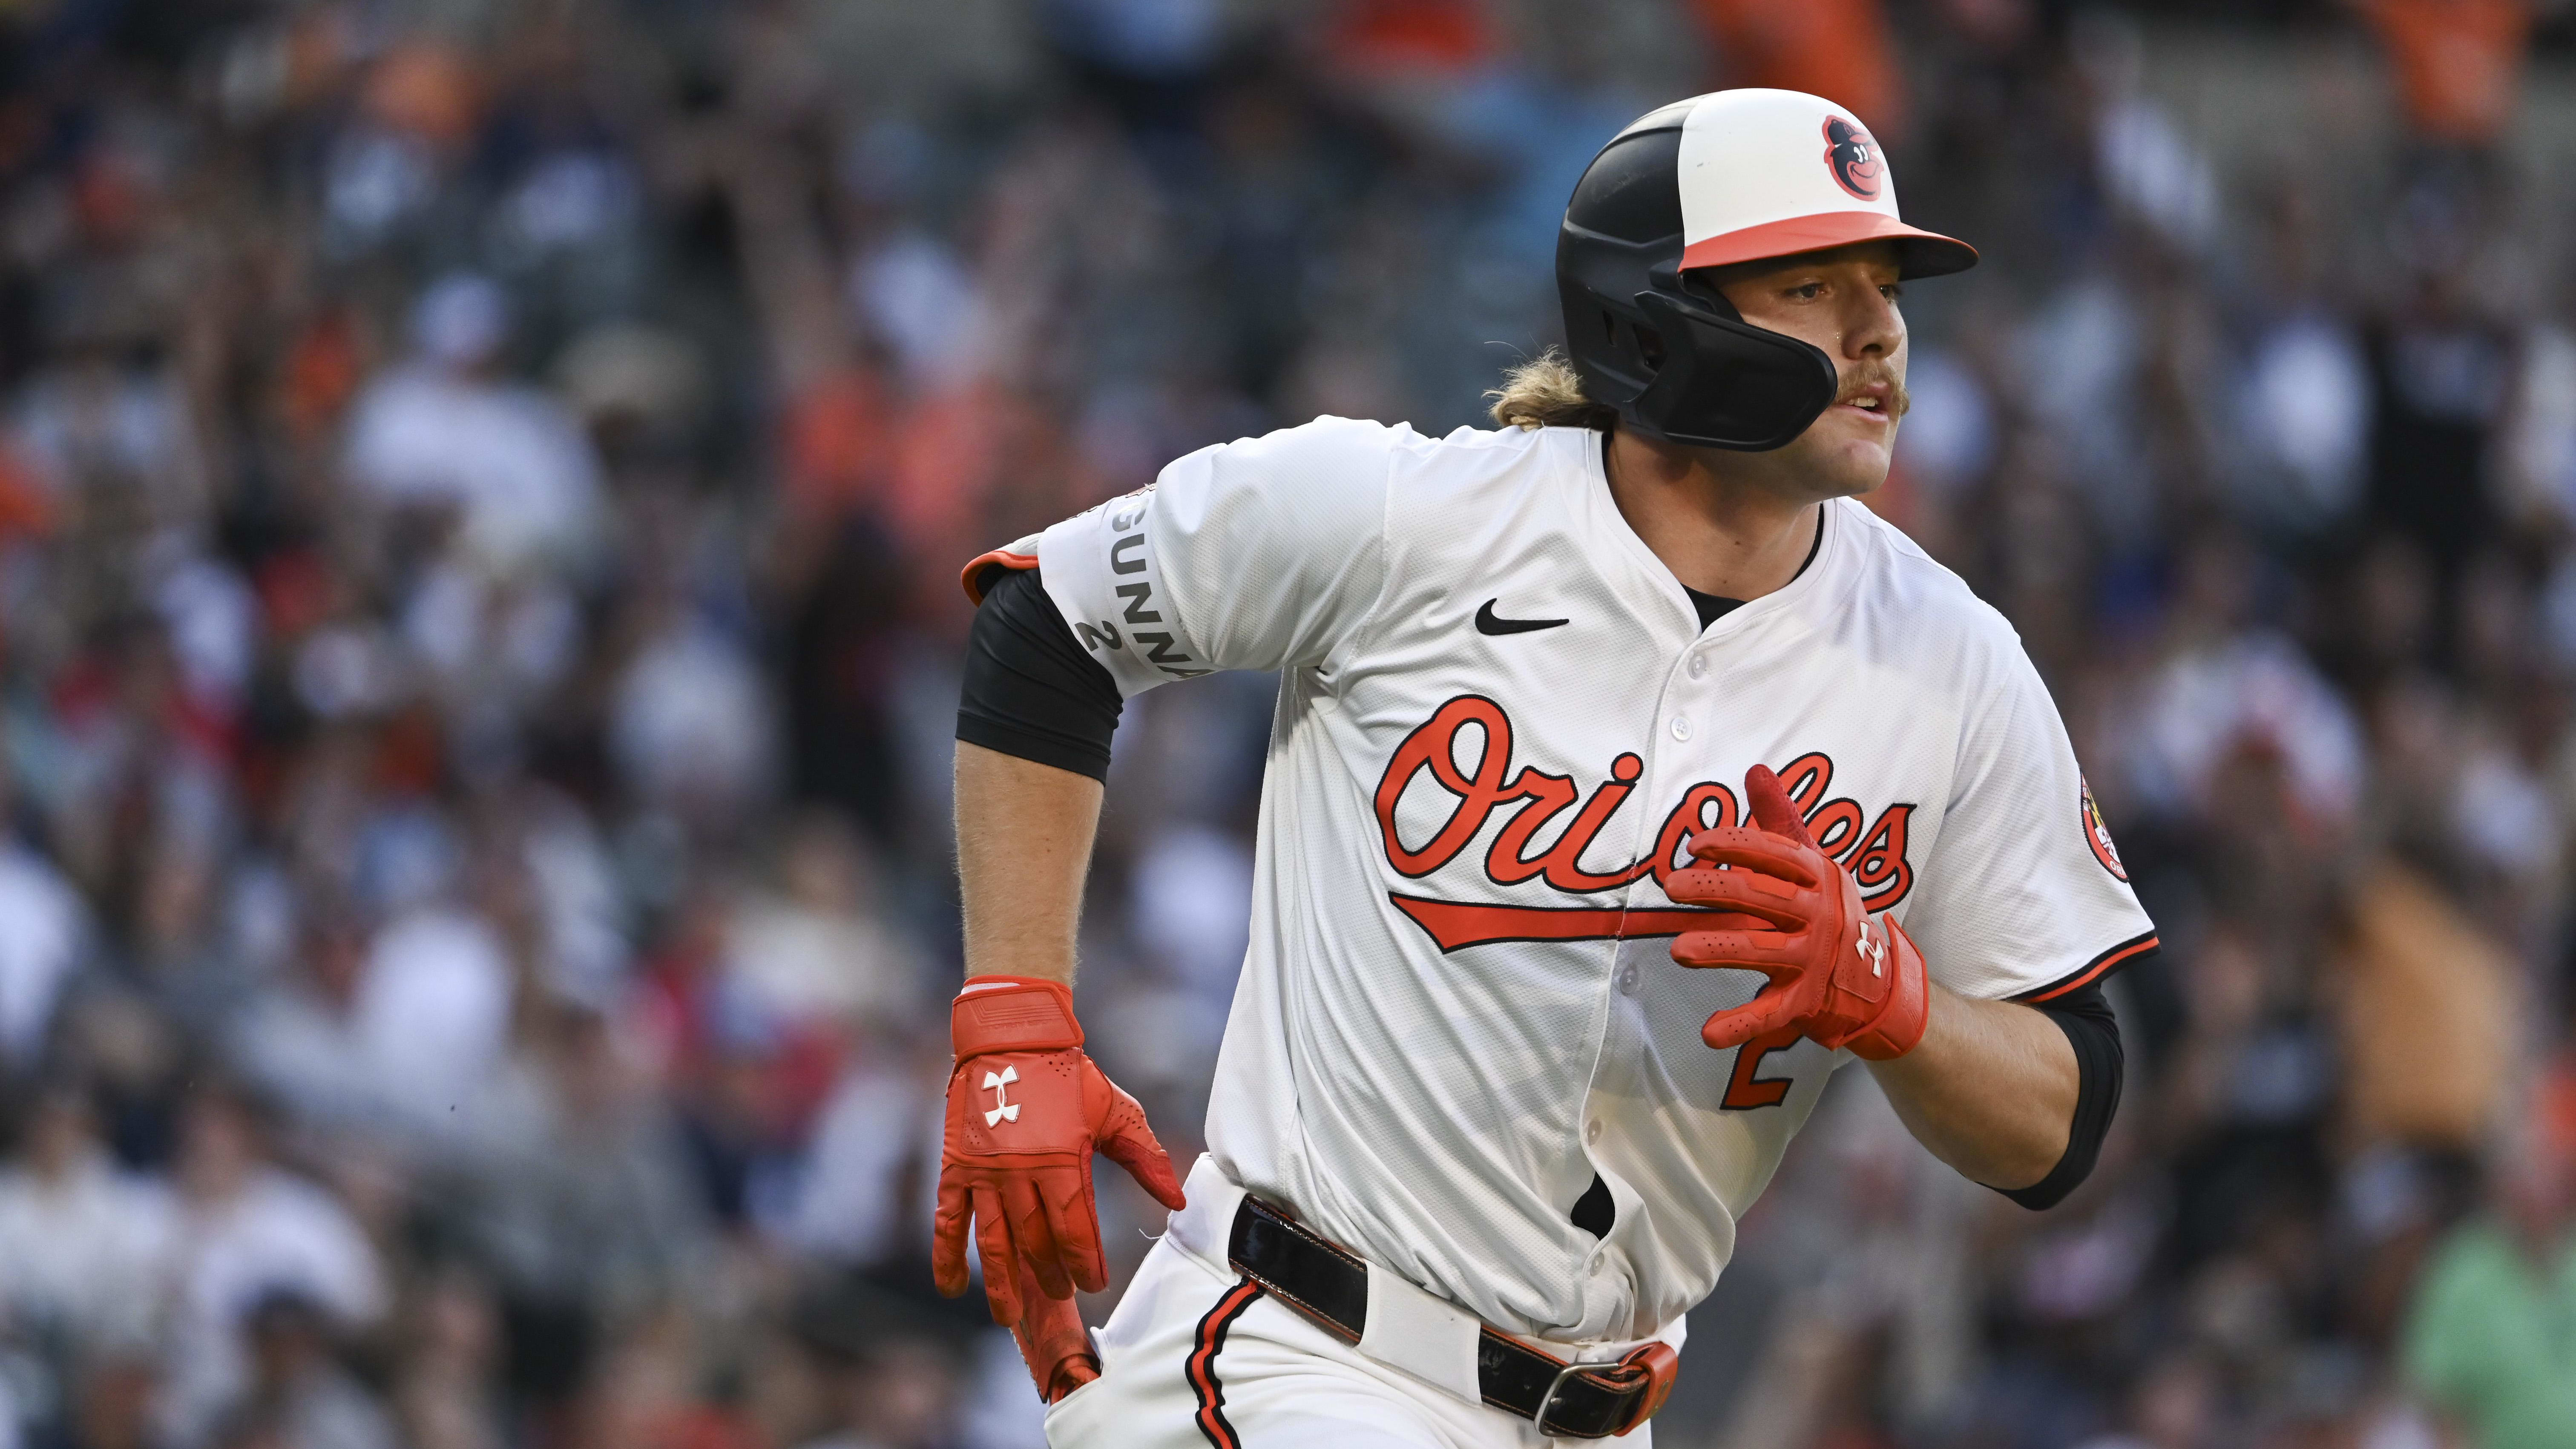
pixel 1650 1369
pixel 1546 1401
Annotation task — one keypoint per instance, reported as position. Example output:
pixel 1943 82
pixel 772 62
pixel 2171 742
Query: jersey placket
pixel 1674 752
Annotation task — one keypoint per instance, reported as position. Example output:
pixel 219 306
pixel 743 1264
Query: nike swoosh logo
pixel 1488 622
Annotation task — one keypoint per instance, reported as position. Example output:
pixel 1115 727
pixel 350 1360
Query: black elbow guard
pixel 1029 689
pixel 2094 1032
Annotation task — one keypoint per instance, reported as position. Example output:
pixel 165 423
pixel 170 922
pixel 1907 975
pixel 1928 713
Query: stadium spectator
pixel 2480 1341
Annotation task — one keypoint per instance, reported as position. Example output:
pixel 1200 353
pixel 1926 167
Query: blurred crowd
pixel 481 485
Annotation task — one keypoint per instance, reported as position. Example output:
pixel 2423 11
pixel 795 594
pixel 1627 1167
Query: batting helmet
pixel 1731 176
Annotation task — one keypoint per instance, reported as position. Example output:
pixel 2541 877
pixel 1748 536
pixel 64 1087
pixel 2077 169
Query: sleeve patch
pixel 2098 835
pixel 1106 579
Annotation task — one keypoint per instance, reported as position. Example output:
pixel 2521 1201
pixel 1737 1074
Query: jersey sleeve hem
pixel 972 577
pixel 2100 968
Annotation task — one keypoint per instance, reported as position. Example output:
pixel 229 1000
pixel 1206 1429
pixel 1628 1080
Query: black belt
pixel 1330 1287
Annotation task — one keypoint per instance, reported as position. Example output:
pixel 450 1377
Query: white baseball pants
pixel 1192 1359
pixel 1197 1356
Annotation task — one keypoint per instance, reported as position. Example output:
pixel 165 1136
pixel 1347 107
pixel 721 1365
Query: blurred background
pixel 481 490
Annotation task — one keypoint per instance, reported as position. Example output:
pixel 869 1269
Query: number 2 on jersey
pixel 1746 1091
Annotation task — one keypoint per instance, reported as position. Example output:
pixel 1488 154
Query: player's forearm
pixel 1990 1090
pixel 1024 833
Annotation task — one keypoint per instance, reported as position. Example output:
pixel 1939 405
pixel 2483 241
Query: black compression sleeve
pixel 2085 1016
pixel 1029 690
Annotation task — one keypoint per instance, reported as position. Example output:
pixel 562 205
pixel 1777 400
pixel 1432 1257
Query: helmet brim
pixel 1920 253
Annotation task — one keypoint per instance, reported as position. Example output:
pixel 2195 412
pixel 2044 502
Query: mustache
pixel 1870 376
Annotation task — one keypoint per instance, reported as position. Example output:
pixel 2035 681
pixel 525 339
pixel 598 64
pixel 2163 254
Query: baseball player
pixel 1628 778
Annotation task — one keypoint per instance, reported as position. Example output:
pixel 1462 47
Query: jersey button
pixel 1681 728
pixel 1698 665
pixel 1628 980
pixel 1594 1267
pixel 1593 1132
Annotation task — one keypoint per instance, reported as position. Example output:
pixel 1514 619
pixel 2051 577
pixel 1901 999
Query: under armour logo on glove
pixel 1003 1109
pixel 1029 1200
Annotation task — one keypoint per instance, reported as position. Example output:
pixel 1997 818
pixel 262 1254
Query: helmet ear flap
pixel 1676 359
pixel 1650 348
pixel 1724 383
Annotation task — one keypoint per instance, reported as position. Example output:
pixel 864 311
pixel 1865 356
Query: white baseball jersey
pixel 1498 719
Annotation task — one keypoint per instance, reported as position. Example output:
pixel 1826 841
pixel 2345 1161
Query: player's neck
pixel 1738 532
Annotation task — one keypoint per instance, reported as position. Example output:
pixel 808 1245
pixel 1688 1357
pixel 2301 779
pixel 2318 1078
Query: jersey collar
pixel 1604 524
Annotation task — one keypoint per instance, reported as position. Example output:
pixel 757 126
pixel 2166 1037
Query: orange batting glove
pixel 1840 977
pixel 1053 1342
pixel 1026 1109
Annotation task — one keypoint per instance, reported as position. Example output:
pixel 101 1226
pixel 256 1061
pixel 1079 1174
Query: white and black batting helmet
pixel 1731 176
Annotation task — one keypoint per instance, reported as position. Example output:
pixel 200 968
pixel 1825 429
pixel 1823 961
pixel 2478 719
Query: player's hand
pixel 1840 977
pixel 1026 1109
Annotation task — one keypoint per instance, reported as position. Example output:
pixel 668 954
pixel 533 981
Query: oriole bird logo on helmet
pixel 1852 156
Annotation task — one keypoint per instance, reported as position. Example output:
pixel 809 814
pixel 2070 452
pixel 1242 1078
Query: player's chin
pixel 1850 459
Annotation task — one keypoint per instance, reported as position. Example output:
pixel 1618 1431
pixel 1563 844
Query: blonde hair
pixel 1546 392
